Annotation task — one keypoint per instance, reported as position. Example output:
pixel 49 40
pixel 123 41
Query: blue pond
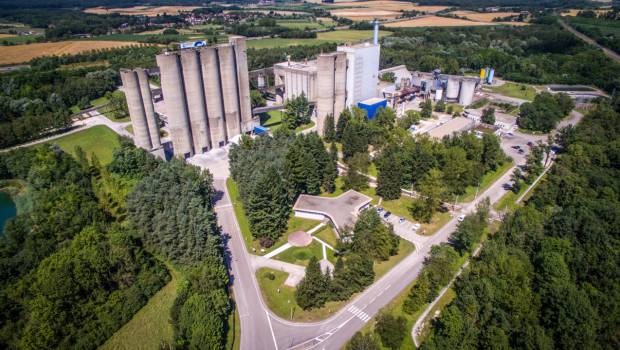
pixel 7 210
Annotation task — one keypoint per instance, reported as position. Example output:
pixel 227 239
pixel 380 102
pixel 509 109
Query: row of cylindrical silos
pixel 331 86
pixel 451 87
pixel 141 110
pixel 207 96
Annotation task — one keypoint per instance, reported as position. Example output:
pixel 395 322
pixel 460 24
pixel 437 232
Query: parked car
pixel 461 217
pixel 379 209
pixel 521 151
pixel 401 220
pixel 416 226
pixel 386 214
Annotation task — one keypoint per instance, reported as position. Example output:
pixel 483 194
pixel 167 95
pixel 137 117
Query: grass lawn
pixel 516 90
pixel 149 327
pixel 372 170
pixel 301 24
pixel 508 200
pixel 327 235
pixel 281 299
pixel 487 180
pixel 337 36
pixel 441 304
pixel 253 245
pixel 302 255
pixel 100 140
pixel 273 121
pixel 404 248
pixel 233 336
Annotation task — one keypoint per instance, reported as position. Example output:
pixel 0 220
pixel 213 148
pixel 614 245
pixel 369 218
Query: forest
pixel 538 54
pixel 80 261
pixel 548 278
pixel 38 100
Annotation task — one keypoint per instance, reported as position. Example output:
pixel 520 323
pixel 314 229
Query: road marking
pixel 223 206
pixel 359 313
pixel 271 329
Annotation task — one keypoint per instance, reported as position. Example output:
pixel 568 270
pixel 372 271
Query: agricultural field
pixel 24 53
pixel 574 12
pixel 366 10
pixel 9 33
pixel 435 21
pixel 339 36
pixel 304 24
pixel 483 17
pixel 149 11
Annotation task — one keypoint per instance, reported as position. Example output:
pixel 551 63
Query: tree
pixel 389 77
pixel 427 109
pixel 469 231
pixel 440 106
pixel 390 175
pixel 330 174
pixel 391 330
pixel 297 111
pixel 343 122
pixel 312 289
pixel 516 178
pixel 488 116
pixel 372 238
pixel 329 130
pixel 431 189
pixel 257 99
pixel 492 154
pixel 357 166
pixel 361 341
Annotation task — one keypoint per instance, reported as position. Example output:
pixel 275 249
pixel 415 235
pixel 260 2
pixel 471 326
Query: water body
pixel 7 210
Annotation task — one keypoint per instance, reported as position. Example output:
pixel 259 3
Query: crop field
pixel 483 17
pixel 149 11
pixel 365 10
pixel 302 24
pixel 434 21
pixel 338 36
pixel 606 27
pixel 24 53
pixel 574 12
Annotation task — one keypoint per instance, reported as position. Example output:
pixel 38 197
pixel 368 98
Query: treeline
pixel 370 240
pixel 70 276
pixel 537 54
pixel 601 28
pixel 272 171
pixel 544 113
pixel 265 58
pixel 93 3
pixel 514 3
pixel 38 100
pixel 78 265
pixel 548 279
pixel 269 27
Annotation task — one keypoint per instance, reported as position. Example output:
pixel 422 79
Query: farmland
pixel 340 36
pixel 366 10
pixel 24 53
pixel 148 11
pixel 483 17
pixel 434 21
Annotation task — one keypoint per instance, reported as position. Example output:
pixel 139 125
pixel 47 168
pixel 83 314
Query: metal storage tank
pixel 416 81
pixel 340 82
pixel 131 88
pixel 194 92
pixel 176 107
pixel 491 75
pixel 213 96
pixel 325 87
pixel 149 110
pixel 452 89
pixel 468 86
pixel 243 82
pixel 483 73
pixel 228 75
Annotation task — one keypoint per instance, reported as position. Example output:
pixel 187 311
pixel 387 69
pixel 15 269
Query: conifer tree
pixel 329 128
pixel 390 175
pixel 312 289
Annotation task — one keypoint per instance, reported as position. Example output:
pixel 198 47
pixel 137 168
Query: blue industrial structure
pixel 371 106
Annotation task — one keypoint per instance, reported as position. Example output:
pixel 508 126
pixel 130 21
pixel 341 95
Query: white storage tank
pixel 466 96
pixel 452 89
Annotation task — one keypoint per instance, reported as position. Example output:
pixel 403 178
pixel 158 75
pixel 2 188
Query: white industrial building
pixel 362 71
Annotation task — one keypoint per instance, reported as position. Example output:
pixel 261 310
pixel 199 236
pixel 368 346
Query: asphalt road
pixel 611 54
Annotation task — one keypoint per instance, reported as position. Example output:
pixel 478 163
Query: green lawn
pixel 337 36
pixel 302 255
pixel 372 170
pixel 271 118
pixel 487 180
pixel 301 24
pixel 253 245
pixel 100 140
pixel 233 336
pixel 327 235
pixel 516 90
pixel 281 299
pixel 149 327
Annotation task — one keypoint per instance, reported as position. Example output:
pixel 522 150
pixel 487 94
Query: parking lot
pixel 404 228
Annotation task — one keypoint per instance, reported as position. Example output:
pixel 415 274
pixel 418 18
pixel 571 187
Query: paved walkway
pixel 277 251
pixel 295 272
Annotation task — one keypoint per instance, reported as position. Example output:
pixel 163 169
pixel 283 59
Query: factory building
pixel 207 96
pixel 141 109
pixel 362 71
pixel 331 87
pixel 295 78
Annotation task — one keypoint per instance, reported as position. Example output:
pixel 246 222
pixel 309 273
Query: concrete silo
pixel 452 89
pixel 213 96
pixel 340 82
pixel 230 92
pixel 149 110
pixel 131 87
pixel 176 105
pixel 243 83
pixel 466 96
pixel 325 89
pixel 194 93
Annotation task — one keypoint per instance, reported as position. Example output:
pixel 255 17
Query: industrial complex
pixel 206 92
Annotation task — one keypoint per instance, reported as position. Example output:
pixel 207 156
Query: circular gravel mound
pixel 299 239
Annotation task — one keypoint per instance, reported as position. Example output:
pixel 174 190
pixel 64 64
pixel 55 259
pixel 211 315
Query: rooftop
pixel 309 66
pixel 450 127
pixel 342 210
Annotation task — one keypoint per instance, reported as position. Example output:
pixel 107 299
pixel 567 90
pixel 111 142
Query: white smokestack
pixel 375 37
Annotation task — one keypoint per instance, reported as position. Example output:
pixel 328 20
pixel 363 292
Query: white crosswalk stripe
pixel 358 313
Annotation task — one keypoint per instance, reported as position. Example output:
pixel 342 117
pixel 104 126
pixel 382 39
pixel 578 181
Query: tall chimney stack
pixel 375 37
